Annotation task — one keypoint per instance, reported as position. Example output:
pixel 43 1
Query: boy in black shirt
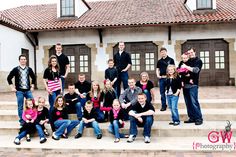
pixel 72 102
pixel 89 120
pixel 141 114
pixel 111 73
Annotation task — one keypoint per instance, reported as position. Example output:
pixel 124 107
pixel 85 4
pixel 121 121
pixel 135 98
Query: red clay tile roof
pixel 117 13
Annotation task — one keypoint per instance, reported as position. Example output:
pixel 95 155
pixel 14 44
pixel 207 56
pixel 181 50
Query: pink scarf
pixel 115 113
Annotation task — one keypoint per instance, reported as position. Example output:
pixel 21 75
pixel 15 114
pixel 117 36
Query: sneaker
pixel 78 135
pixel 55 137
pixel 131 138
pixel 64 136
pixel 176 123
pixel 28 139
pixel 147 139
pixel 46 132
pixel 17 141
pixel 42 140
pixel 117 140
pixel 99 136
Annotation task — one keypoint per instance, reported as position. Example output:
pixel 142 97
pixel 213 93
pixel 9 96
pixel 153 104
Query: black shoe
pixel 163 109
pixel 189 121
pixel 171 123
pixel 42 140
pixel 78 135
pixel 99 136
pixel 198 122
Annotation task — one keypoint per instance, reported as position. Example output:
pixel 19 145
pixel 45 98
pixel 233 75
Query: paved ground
pixel 222 92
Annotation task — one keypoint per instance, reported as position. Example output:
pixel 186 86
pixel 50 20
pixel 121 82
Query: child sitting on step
pixel 116 120
pixel 108 94
pixel 89 120
pixel 60 119
pixel 43 115
pixel 29 116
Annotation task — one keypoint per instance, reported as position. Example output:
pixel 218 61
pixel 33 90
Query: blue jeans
pixel 52 98
pixel 173 105
pixel 20 101
pixel 100 115
pixel 64 125
pixel 192 104
pixel 114 129
pixel 122 77
pixel 40 131
pixel 22 134
pixel 62 84
pixel 82 101
pixel 147 125
pixel 162 86
pixel 148 95
pixel 93 124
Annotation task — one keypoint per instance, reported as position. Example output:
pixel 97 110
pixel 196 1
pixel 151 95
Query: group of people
pixel 93 105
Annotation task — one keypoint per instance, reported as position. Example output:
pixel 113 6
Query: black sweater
pixel 108 98
pixel 42 115
pixel 16 72
pixel 119 117
pixel 59 114
pixel 174 84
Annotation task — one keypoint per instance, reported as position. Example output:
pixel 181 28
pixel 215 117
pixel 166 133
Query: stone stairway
pixel 164 137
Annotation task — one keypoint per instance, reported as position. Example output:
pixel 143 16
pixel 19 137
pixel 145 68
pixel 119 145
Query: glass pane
pixel 206 53
pixel 137 68
pixel 217 65
pixel 202 54
pixel 152 67
pixel 222 65
pixel 72 64
pixel 72 70
pixel 133 61
pixel 147 67
pixel 217 59
pixel 137 62
pixel 222 53
pixel 81 58
pixel 86 57
pixel 217 53
pixel 86 64
pixel 207 66
pixel 81 64
pixel 86 69
pixel 206 60
pixel 81 69
pixel 151 55
pixel 222 59
pixel 137 56
pixel 133 68
pixel 63 12
pixel 151 61
pixel 147 61
pixel 147 55
pixel 133 56
pixel 72 58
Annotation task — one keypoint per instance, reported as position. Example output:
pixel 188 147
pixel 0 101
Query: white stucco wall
pixel 12 42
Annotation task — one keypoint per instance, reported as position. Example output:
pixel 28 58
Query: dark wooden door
pixel 215 57
pixel 80 61
pixel 143 57
pixel 26 53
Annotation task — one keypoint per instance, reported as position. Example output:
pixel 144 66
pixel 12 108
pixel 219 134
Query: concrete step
pixel 90 146
pixel 205 103
pixel 208 115
pixel 160 128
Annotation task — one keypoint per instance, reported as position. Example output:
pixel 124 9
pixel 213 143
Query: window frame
pixel 72 15
pixel 204 8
